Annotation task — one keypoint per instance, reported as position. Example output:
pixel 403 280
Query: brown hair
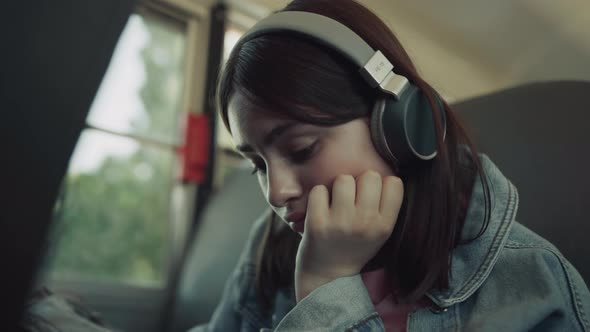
pixel 320 86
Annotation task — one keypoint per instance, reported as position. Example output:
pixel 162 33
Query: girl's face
pixel 292 157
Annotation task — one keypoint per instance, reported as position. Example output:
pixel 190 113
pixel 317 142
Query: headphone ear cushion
pixel 378 132
pixel 403 130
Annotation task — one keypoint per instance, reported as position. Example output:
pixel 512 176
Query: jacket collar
pixel 473 261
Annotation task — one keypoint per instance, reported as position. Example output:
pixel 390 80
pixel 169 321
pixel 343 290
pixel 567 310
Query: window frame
pixel 194 17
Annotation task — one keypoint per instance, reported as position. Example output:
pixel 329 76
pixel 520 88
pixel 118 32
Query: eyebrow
pixel 270 138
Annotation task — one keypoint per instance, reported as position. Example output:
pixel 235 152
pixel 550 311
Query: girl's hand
pixel 341 236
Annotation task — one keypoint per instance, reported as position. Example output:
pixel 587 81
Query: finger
pixel 391 197
pixel 368 191
pixel 343 193
pixel 317 207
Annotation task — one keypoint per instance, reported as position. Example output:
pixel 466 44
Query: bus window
pixel 113 221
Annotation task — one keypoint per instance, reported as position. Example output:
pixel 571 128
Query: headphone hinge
pixel 378 71
pixel 394 84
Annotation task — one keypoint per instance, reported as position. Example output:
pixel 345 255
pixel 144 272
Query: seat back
pixel 216 247
pixel 538 135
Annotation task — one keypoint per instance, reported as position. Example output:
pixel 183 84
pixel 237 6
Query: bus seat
pixel 539 136
pixel 216 247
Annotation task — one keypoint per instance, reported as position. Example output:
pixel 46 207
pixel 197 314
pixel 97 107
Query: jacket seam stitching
pixel 479 276
pixel 457 315
pixel 578 301
pixel 576 296
pixel 363 321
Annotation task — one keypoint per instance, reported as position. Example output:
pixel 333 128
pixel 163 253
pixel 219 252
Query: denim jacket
pixel 508 279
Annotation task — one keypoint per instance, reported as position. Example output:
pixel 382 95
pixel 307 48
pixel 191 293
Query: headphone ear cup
pixel 403 130
pixel 378 132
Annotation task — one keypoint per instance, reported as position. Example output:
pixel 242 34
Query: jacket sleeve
pixel 579 298
pixel 532 288
pixel 564 288
pixel 340 305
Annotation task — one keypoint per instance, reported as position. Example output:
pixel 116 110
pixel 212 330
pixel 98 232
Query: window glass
pixel 112 222
pixel 113 219
pixel 141 92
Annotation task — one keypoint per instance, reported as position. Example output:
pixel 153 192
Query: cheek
pixel 332 162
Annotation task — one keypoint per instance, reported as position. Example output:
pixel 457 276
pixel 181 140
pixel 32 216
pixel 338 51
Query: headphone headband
pixel 373 65
pixel 402 125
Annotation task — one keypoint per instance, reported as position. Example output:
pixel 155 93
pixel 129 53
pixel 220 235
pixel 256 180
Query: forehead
pixel 248 122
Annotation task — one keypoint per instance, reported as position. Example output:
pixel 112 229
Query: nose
pixel 282 185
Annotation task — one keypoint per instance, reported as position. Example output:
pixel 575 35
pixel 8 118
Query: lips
pixel 295 217
pixel 296 221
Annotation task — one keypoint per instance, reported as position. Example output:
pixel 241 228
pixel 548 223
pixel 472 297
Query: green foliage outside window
pixel 113 222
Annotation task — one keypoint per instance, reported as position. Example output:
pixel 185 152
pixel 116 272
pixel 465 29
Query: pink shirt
pixel 393 314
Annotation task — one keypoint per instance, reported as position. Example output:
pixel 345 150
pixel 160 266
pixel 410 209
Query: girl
pixel 383 215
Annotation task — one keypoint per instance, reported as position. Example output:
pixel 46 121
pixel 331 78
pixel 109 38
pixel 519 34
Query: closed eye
pixel 297 157
pixel 301 156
